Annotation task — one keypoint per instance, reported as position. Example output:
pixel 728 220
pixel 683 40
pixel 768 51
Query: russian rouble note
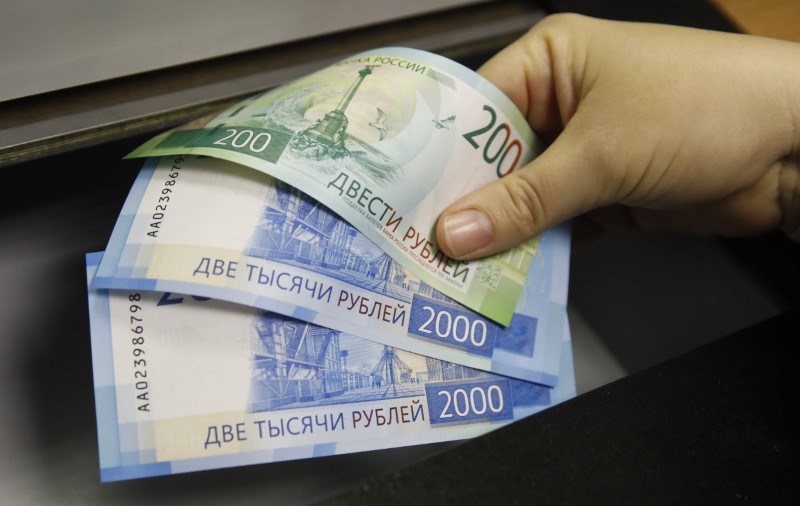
pixel 387 139
pixel 186 383
pixel 213 228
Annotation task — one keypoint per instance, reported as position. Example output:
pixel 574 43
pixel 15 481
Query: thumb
pixel 554 187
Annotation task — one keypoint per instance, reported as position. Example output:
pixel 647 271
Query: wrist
pixel 789 166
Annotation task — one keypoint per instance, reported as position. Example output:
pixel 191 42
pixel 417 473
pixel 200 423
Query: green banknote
pixel 387 139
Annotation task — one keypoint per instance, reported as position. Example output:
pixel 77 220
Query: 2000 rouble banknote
pixel 386 139
pixel 213 228
pixel 186 383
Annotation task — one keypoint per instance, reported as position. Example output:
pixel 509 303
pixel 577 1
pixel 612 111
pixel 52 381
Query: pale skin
pixel 651 126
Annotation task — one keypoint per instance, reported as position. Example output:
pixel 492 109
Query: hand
pixel 651 125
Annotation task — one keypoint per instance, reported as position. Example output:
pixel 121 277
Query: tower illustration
pixel 330 131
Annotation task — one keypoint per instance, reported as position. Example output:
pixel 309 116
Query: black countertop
pixel 718 425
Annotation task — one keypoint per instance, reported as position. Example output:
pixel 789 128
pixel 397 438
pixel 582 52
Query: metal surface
pixel 67 119
pixel 51 44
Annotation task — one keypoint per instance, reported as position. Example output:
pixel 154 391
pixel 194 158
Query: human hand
pixel 652 125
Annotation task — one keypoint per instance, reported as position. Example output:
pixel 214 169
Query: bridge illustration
pixel 297 364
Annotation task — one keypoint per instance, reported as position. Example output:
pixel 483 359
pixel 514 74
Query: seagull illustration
pixel 445 123
pixel 380 123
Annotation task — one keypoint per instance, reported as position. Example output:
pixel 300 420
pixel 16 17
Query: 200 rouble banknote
pixel 387 139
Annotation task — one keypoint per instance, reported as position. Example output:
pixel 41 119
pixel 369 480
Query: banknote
pixel 186 383
pixel 213 228
pixel 386 139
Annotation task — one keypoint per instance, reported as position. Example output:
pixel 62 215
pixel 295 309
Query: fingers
pixel 554 187
pixel 535 73
pixel 747 212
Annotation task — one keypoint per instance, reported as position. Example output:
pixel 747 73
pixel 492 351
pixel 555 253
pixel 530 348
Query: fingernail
pixel 467 231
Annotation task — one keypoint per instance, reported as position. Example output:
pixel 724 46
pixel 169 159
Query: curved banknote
pixel 185 384
pixel 387 139
pixel 213 228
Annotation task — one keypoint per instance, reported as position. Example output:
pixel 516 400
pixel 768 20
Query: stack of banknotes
pixel 273 289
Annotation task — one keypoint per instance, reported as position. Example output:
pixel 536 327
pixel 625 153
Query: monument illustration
pixel 326 137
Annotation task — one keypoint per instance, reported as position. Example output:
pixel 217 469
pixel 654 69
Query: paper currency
pixel 185 384
pixel 386 139
pixel 217 229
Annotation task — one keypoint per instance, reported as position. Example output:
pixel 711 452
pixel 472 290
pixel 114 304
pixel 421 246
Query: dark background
pixel 697 332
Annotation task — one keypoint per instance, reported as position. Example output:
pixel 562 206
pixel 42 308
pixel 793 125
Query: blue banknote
pixel 212 228
pixel 187 383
